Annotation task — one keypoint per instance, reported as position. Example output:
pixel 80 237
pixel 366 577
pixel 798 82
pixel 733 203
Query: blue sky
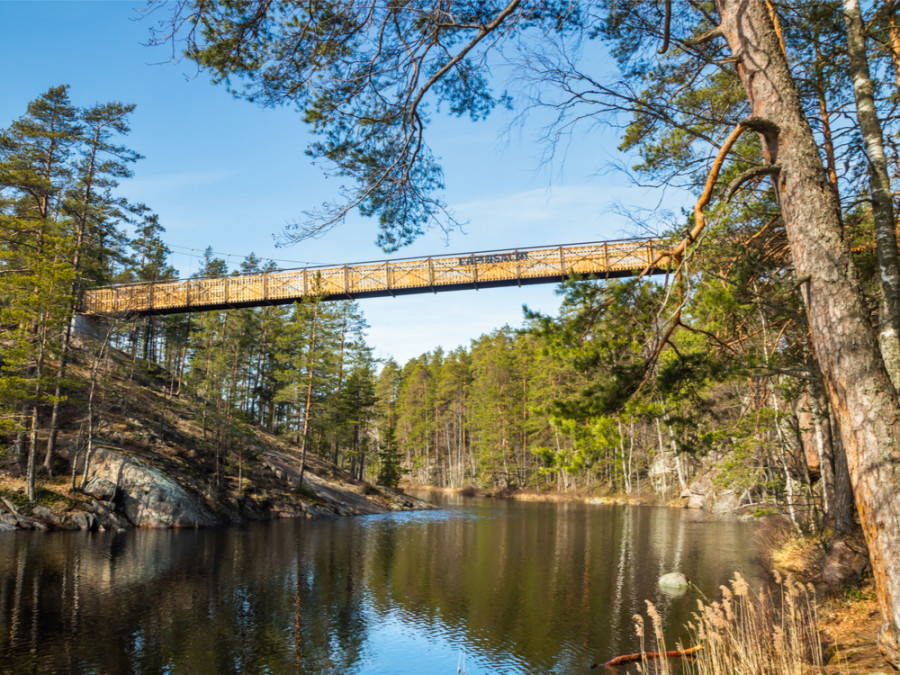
pixel 222 172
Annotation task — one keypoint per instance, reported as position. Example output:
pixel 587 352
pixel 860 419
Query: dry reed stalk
pixel 772 632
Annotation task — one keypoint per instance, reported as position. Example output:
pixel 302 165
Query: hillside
pixel 152 464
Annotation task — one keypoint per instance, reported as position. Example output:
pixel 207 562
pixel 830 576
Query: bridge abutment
pixel 90 326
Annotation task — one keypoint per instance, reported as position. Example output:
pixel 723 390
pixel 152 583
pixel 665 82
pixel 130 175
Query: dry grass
pixel 802 557
pixel 849 627
pixel 773 632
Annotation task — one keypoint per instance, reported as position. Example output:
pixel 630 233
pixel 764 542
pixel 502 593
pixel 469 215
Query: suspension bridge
pixel 482 269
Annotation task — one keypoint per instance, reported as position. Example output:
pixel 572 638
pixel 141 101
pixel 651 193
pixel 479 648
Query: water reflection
pixel 513 587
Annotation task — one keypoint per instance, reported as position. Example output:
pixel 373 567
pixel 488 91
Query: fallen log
pixel 640 656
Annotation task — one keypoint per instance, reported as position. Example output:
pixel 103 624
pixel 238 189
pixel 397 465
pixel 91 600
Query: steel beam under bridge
pixel 484 269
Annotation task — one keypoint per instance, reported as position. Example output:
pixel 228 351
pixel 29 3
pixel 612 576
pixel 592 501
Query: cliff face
pixel 154 461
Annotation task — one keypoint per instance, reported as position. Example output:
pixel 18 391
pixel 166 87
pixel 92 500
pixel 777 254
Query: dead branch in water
pixel 640 656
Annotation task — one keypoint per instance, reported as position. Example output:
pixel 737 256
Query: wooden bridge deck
pixel 371 279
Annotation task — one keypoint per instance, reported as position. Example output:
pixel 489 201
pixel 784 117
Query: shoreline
pixel 535 495
pixel 168 500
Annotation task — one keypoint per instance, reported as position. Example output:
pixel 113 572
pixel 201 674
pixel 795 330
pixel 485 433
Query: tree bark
pixel 880 187
pixel 844 507
pixel 862 397
pixel 894 42
pixel 309 387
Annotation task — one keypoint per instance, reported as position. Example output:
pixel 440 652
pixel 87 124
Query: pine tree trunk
pixel 35 411
pixel 95 370
pixel 309 388
pixel 860 392
pixel 825 119
pixel 57 397
pixel 894 42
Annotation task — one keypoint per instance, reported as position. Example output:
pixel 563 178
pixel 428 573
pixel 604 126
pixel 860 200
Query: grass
pixel 43 497
pixel 15 497
pixel 773 632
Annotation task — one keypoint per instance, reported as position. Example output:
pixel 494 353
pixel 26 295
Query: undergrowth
pixel 43 497
pixel 18 499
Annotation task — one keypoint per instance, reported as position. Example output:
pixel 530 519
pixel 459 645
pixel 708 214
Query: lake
pixel 489 586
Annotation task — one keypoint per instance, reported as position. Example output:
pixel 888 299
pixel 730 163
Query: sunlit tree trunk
pixel 859 389
pixel 894 42
pixel 880 187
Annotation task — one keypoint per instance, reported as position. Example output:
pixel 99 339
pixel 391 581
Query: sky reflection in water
pixel 506 586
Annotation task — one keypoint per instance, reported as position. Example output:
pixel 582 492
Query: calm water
pixel 505 586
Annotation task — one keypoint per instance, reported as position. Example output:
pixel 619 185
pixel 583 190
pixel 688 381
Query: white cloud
pixel 178 181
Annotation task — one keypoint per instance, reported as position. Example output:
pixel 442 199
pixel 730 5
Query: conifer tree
pixel 36 254
pixel 92 212
pixel 389 470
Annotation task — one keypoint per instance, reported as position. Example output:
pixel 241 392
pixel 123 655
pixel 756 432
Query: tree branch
pixel 460 55
pixel 748 175
pixel 667 26
pixel 699 222
pixel 703 38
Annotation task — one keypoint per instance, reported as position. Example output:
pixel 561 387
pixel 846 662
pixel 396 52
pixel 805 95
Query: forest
pixel 771 348
pixel 564 402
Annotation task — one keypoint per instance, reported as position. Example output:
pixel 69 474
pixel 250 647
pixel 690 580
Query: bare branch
pixel 667 26
pixel 703 38
pixel 748 175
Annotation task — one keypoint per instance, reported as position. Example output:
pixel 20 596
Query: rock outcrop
pixel 145 495
pixel 702 493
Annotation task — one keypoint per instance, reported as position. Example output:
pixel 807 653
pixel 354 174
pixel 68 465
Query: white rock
pixel 673 581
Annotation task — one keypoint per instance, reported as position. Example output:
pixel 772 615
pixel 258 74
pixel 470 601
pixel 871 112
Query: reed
pixel 771 632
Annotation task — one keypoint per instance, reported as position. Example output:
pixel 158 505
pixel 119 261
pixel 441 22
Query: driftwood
pixel 632 658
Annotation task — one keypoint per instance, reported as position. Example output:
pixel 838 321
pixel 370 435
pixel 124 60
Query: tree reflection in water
pixel 514 587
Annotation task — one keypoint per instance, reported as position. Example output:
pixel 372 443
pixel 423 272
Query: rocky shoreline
pixel 125 490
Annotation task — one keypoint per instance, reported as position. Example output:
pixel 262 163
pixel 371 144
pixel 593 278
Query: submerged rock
pixel 673 581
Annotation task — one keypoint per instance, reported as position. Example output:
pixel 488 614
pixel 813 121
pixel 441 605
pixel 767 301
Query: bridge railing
pixel 615 258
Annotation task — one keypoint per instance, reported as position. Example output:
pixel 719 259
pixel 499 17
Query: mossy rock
pixel 47 497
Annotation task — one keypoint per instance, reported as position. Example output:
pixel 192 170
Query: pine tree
pixel 36 256
pixel 389 470
pixel 92 213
